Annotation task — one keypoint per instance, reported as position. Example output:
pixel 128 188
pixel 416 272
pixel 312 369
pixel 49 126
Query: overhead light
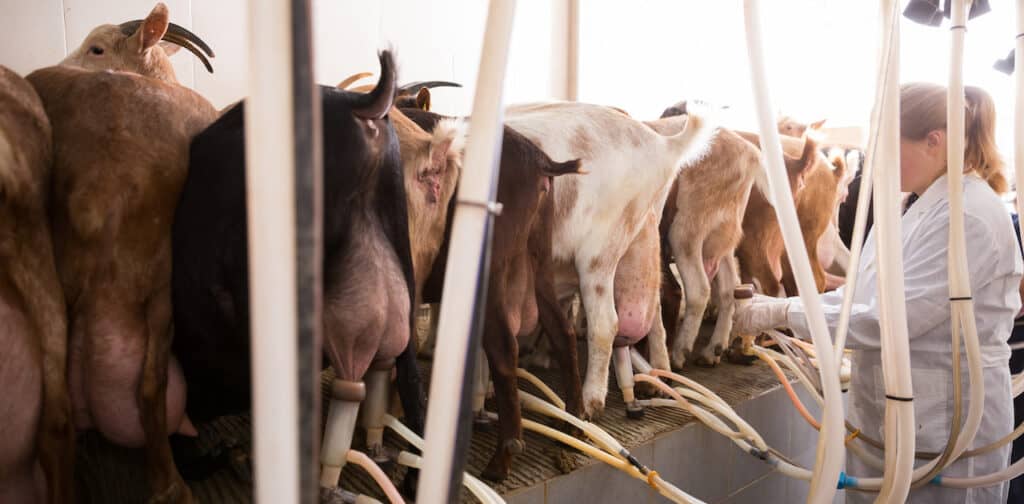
pixel 929 12
pixel 1006 65
pixel 978 7
pixel 926 12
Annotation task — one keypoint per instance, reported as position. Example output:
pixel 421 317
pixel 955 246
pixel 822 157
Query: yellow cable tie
pixel 650 479
pixel 853 435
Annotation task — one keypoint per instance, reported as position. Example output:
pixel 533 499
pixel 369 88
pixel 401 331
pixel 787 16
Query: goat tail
pixel 573 166
pixel 378 102
pixel 694 141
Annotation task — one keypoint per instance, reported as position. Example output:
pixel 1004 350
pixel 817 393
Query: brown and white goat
pixel 120 157
pixel 598 217
pixel 35 414
pixel 701 226
pixel 431 163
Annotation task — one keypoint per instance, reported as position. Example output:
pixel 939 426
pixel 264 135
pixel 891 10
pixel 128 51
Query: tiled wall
pixel 436 39
pixel 700 462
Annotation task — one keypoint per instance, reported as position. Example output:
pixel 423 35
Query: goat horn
pixel 414 87
pixel 352 79
pixel 176 34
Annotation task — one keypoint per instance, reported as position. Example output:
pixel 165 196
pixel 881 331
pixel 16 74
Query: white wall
pixel 437 39
pixel 646 56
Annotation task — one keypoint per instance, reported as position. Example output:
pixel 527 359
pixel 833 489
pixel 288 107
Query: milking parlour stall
pixel 534 251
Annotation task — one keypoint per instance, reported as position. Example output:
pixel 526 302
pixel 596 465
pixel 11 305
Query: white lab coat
pixel 995 269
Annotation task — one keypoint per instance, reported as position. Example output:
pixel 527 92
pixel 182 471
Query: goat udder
pixel 634 323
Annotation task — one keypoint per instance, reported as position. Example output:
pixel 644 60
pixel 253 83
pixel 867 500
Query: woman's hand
pixel 761 314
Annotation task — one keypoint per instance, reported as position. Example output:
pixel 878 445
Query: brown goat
pixel 816 208
pixel 521 291
pixel 760 251
pixel 142 47
pixel 120 157
pixel 35 415
pixel 791 127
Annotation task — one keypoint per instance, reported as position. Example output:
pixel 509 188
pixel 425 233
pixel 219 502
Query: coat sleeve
pixel 927 292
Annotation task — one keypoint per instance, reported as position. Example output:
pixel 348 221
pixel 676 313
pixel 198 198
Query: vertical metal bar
pixel 308 245
pixel 1018 114
pixel 271 154
pixel 448 415
pixel 573 50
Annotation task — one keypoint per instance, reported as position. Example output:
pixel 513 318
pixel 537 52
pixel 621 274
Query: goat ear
pixel 169 48
pixel 153 28
pixel 439 153
pixel 423 99
pixel 817 124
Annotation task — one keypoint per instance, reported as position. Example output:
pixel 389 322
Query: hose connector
pixel 846 481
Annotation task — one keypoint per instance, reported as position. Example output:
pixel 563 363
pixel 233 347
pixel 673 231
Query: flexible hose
pixel 546 390
pixel 789 389
pixel 664 488
pixel 360 459
pixel 415 440
pixel 830 451
pixel 479 489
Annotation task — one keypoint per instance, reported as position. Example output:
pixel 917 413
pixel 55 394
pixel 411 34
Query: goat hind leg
pixel 697 291
pixel 503 356
pixel 167 484
pixel 602 327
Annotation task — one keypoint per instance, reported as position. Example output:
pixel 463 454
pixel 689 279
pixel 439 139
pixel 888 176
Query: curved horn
pixel 414 87
pixel 352 79
pixel 184 33
pixel 377 103
pixel 176 34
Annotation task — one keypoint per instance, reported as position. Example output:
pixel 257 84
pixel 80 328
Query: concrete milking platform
pixel 691 456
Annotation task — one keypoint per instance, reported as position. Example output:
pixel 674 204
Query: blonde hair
pixel 923 110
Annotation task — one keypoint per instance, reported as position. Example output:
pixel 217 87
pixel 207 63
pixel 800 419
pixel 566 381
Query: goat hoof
pixel 705 361
pixel 592 409
pixel 737 357
pixel 645 390
pixel 497 470
pixel 515 446
pixel 634 411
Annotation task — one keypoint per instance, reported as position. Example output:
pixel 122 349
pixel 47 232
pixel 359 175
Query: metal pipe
pixel 443 454
pixel 273 177
pixel 830 450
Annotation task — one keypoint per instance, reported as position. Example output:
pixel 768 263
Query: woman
pixel 995 272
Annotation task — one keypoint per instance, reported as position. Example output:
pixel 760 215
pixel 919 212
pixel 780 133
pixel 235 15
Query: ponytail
pixel 980 152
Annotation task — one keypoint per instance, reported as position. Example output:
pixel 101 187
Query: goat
pixel 598 217
pixel 35 415
pixel 120 158
pixel 701 226
pixel 520 293
pixel 817 206
pixel 144 51
pixel 760 252
pixel 791 127
pixel 368 281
